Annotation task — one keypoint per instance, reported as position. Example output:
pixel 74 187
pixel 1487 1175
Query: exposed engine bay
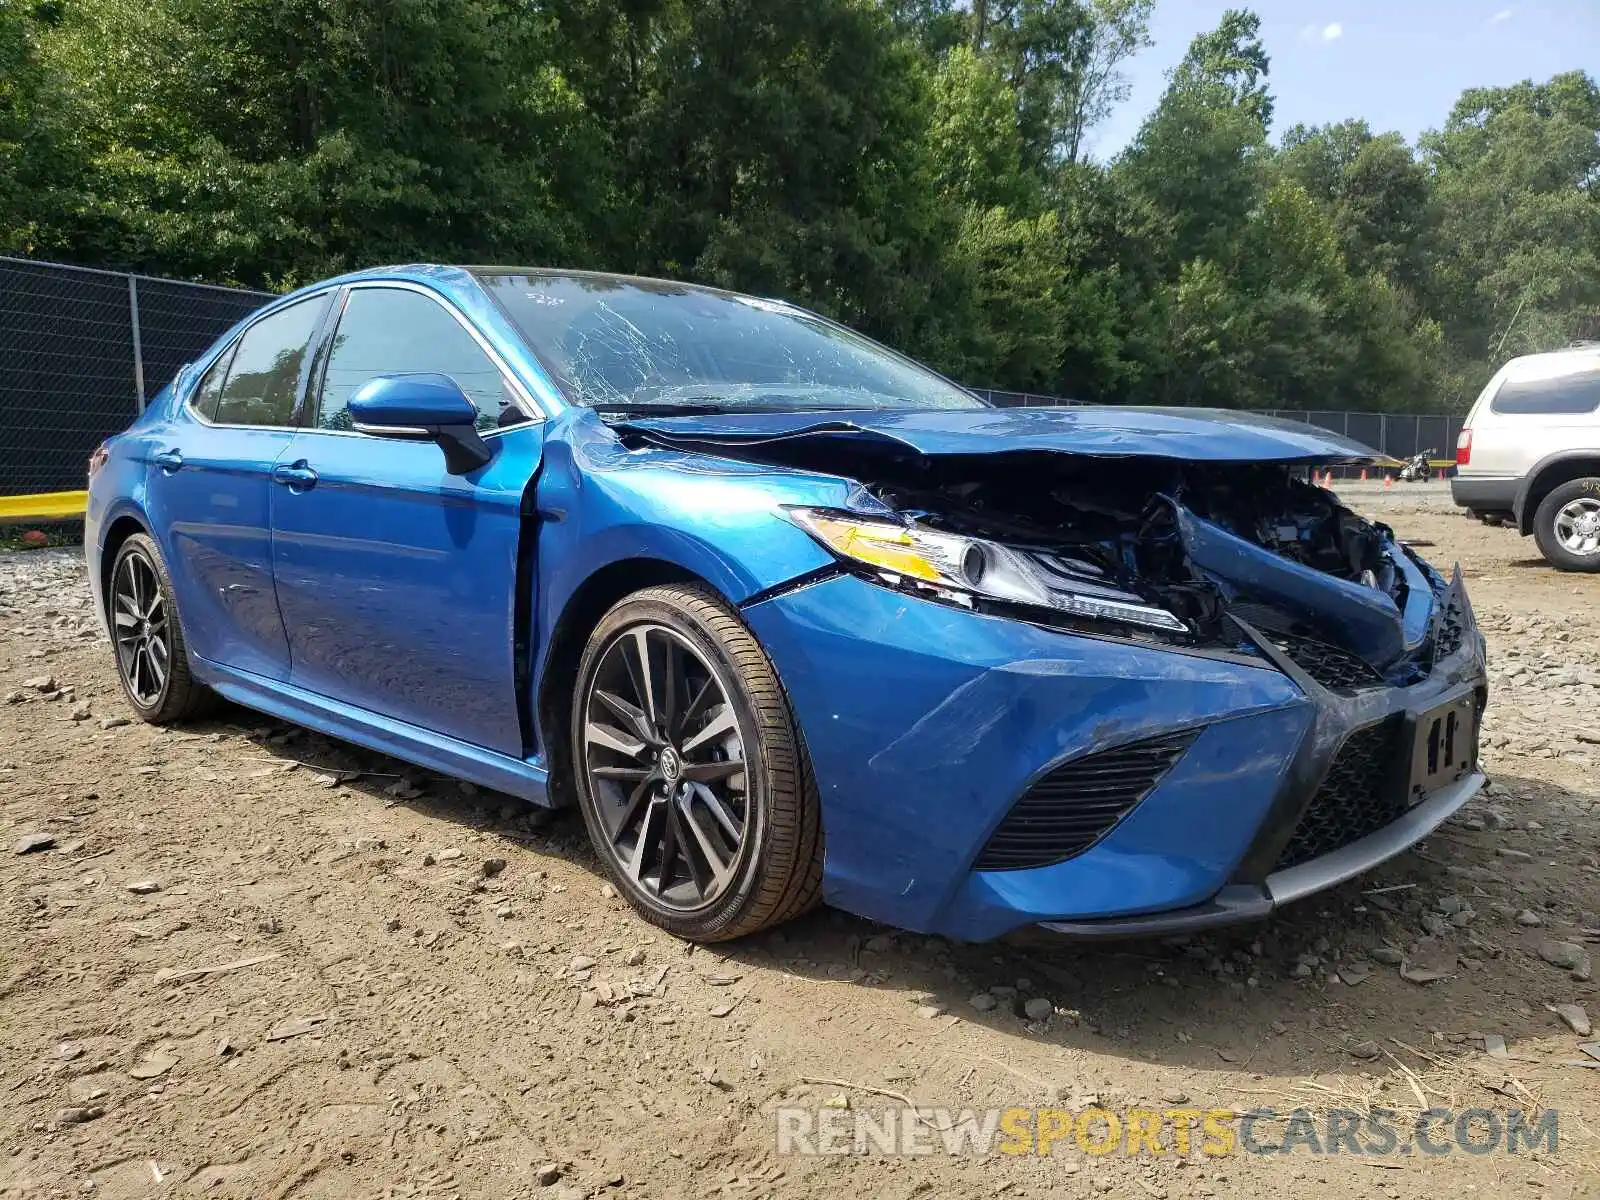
pixel 1209 554
pixel 1117 517
pixel 1118 522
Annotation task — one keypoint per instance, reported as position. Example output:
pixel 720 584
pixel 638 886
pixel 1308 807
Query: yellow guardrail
pixel 43 506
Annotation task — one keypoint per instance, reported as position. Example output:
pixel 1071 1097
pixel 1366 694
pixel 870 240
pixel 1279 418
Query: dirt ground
pixel 395 1023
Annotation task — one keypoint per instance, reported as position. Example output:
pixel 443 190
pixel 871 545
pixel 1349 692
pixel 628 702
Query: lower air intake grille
pixel 1076 804
pixel 1355 798
pixel 1452 630
pixel 1329 665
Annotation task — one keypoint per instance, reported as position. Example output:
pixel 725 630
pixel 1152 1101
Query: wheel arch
pixel 589 602
pixel 1547 475
pixel 121 528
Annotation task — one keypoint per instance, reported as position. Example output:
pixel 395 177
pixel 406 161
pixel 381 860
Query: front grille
pixel 1331 666
pixel 1076 804
pixel 1356 797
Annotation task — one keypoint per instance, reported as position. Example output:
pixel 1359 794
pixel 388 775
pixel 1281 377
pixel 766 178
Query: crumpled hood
pixel 1195 434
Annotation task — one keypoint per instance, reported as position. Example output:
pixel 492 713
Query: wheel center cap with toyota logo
pixel 671 765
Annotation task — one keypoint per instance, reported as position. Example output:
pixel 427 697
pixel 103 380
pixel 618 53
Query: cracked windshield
pixel 646 346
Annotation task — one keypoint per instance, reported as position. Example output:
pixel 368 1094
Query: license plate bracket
pixel 1444 747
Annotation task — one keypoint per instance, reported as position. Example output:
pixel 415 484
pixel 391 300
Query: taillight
pixel 1464 448
pixel 98 459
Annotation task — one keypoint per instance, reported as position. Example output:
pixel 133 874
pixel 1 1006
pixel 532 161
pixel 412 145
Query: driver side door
pixel 398 581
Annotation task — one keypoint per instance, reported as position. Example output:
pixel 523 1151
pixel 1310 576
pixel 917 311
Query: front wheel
pixel 1567 525
pixel 691 775
pixel 152 663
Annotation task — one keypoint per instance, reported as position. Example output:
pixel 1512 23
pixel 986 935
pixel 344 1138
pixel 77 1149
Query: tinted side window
pixel 265 376
pixel 1579 393
pixel 209 390
pixel 388 331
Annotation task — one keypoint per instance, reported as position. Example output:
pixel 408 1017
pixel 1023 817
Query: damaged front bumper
pixel 1276 870
pixel 927 726
pixel 1237 902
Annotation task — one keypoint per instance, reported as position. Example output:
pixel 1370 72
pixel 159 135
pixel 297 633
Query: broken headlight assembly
pixel 963 569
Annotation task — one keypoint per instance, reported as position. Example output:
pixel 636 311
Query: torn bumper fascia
pixel 925 722
pixel 1372 624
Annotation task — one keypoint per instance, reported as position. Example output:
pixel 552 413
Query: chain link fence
pixel 1399 435
pixel 81 351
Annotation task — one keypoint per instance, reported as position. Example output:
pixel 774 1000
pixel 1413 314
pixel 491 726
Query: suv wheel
pixel 1567 525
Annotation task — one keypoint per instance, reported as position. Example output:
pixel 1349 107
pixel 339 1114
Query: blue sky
pixel 1400 64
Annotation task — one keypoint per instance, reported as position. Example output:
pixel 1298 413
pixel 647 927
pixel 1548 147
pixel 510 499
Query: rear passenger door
pixel 208 490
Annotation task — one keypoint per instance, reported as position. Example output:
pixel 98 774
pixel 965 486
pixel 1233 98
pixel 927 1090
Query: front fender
pixel 599 503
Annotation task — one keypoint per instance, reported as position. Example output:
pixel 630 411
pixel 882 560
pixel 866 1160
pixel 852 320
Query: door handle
pixel 297 477
pixel 168 460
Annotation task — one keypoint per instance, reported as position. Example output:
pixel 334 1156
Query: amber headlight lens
pixel 972 566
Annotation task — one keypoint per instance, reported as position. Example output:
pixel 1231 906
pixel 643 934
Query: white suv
pixel 1530 453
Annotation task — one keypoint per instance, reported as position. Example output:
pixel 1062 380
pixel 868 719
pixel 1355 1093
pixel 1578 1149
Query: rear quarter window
pixel 269 364
pixel 1565 394
pixel 209 390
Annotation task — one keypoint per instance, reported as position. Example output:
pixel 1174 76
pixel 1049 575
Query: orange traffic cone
pixel 1388 481
pixel 1363 474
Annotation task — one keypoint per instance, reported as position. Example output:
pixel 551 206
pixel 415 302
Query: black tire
pixel 158 692
pixel 772 871
pixel 1554 525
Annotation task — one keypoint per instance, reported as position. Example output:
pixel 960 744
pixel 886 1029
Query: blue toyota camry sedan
pixel 786 615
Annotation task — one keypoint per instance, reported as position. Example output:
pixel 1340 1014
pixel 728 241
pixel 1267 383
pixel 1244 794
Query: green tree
pixel 936 26
pixel 1229 66
pixel 1042 46
pixel 1378 195
pixel 914 167
pixel 1271 279
pixel 777 149
pixel 271 141
pixel 1515 175
pixel 1199 157
pixel 39 176
pixel 1015 293
pixel 1118 30
pixel 973 140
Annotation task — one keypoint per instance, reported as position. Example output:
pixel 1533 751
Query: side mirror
pixel 422 408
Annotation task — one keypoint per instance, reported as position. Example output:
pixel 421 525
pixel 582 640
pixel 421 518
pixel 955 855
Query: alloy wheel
pixel 666 767
pixel 139 624
pixel 1577 526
